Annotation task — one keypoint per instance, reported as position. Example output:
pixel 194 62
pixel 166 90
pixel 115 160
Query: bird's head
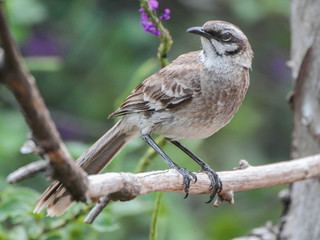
pixel 224 42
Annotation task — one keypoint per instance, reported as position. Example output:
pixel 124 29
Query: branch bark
pixel 97 209
pixel 125 186
pixel 22 84
pixel 27 171
pixel 304 211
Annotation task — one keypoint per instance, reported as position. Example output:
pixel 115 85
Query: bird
pixel 193 97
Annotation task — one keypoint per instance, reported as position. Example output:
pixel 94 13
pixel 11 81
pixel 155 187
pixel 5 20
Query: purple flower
pixel 147 24
pixel 153 4
pixel 43 43
pixel 165 15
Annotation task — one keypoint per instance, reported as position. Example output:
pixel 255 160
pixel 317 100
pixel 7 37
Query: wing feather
pixel 171 87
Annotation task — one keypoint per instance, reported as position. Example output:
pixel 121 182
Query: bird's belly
pixel 192 125
pixel 200 119
pixel 187 129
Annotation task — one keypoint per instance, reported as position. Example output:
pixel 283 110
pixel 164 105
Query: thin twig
pixel 94 212
pixel 22 84
pixel 27 171
pixel 233 181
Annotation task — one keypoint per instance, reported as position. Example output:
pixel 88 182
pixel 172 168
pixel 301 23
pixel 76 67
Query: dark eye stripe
pixel 233 52
pixel 212 33
pixel 219 36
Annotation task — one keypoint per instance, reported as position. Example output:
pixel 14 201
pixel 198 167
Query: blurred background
pixel 86 57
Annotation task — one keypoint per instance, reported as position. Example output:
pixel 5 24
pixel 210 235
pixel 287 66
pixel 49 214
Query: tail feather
pixel 55 198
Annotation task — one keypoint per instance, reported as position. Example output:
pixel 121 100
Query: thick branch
pixel 16 77
pixel 123 186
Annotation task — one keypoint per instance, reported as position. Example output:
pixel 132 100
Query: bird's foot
pixel 215 182
pixel 187 177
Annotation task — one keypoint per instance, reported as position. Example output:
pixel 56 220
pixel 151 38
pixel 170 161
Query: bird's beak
pixel 199 31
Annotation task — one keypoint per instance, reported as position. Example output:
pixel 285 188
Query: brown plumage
pixel 167 89
pixel 193 97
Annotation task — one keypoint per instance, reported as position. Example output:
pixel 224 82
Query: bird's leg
pixel 187 176
pixel 216 184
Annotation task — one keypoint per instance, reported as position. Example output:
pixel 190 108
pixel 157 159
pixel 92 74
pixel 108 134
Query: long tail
pixel 55 198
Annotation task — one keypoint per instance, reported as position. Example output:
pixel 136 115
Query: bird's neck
pixel 225 64
pixel 218 64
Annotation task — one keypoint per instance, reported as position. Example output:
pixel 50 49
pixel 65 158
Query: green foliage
pixel 253 11
pixel 18 221
pixel 24 14
pixel 46 64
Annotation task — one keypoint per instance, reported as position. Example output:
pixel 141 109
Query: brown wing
pixel 167 89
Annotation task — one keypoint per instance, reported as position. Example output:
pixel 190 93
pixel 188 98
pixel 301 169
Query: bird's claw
pixel 215 182
pixel 187 177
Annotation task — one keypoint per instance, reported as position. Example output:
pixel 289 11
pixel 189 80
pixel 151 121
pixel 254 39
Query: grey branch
pixel 97 209
pixel 27 171
pixel 125 186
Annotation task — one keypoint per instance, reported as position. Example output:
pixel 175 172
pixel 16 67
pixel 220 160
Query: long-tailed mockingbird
pixel 192 98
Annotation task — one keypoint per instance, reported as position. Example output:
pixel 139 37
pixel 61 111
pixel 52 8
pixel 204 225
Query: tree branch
pixel 27 171
pixel 125 186
pixel 22 84
pixel 97 209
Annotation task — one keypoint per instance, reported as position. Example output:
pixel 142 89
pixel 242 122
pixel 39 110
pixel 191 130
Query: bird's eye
pixel 226 37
